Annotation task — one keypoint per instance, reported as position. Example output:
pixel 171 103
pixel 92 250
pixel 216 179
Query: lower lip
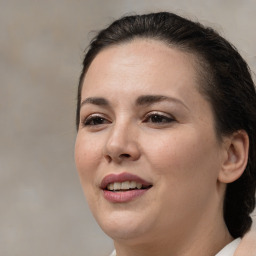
pixel 124 196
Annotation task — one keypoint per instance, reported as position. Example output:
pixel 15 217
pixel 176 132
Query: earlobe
pixel 236 157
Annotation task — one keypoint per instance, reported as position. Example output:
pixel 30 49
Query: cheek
pixel 172 152
pixel 87 158
pixel 185 166
pixel 184 157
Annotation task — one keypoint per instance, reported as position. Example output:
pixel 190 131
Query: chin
pixel 123 225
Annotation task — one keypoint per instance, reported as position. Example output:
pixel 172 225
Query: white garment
pixel 228 250
pixel 113 253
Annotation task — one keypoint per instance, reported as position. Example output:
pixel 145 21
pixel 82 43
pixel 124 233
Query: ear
pixel 236 156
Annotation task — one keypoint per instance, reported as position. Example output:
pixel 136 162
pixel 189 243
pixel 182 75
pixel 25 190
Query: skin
pixel 171 143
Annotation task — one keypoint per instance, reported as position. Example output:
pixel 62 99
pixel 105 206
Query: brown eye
pixel 95 120
pixel 158 118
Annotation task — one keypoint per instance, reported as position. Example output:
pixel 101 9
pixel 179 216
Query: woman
pixel 165 147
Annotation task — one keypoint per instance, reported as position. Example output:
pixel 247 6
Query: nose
pixel 122 144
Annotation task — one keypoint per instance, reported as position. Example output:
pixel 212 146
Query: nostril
pixel 108 158
pixel 124 156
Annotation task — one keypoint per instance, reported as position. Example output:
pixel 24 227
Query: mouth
pixel 124 187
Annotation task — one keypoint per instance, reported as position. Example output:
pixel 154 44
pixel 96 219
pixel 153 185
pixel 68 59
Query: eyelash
pixel 157 116
pixel 152 117
pixel 90 121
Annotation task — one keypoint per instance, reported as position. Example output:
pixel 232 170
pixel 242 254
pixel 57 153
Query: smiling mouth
pixel 126 186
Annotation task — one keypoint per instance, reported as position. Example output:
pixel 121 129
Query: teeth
pixel 111 186
pixel 117 185
pixel 133 184
pixel 126 185
pixel 139 185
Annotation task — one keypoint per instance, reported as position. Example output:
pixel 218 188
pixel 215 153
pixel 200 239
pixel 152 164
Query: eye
pixel 94 120
pixel 158 118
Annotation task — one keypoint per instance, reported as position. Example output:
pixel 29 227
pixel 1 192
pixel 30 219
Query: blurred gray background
pixel 43 210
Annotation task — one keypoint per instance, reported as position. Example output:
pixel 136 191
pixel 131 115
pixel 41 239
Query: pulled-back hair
pixel 225 81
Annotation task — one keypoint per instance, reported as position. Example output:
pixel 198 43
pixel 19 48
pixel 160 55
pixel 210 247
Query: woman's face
pixel 144 123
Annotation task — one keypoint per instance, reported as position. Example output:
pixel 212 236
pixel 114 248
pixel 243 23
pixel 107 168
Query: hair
pixel 225 81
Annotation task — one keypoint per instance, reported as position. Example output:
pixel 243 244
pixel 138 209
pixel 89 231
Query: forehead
pixel 142 61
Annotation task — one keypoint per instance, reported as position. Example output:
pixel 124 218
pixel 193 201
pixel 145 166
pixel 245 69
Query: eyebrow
pixel 144 100
pixel 95 101
pixel 152 99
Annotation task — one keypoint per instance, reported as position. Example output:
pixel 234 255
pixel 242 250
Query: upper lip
pixel 111 178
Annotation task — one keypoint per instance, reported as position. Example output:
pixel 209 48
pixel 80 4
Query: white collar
pixel 113 253
pixel 230 248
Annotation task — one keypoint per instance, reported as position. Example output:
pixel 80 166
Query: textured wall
pixel 43 211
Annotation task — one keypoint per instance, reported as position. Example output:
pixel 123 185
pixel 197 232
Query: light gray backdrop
pixel 43 210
